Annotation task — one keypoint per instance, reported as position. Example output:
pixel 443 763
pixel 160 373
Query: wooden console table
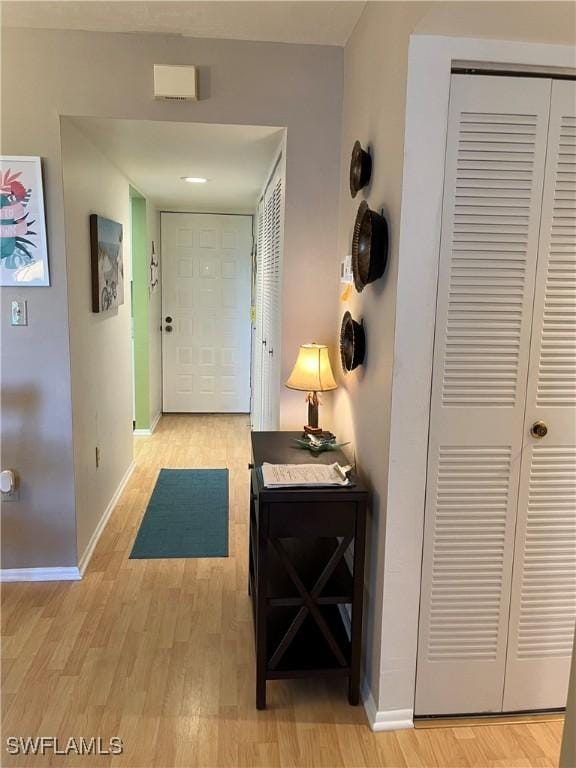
pixel 307 601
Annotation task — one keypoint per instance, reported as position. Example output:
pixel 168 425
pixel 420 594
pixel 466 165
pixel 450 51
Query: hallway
pixel 160 654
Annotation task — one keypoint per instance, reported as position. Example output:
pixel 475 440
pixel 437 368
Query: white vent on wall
pixel 175 82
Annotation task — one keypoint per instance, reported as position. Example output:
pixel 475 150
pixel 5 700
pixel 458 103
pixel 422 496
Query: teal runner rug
pixel 187 516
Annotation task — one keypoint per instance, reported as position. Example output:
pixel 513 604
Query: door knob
pixel 539 429
pixel 168 329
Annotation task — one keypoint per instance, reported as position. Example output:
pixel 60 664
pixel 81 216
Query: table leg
pixel 261 609
pixel 356 619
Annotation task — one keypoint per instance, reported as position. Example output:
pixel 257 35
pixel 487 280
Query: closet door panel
pixel 266 402
pixel 543 606
pixel 496 148
pixel 257 337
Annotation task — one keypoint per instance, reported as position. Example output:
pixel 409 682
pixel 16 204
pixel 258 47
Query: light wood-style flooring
pixel 160 653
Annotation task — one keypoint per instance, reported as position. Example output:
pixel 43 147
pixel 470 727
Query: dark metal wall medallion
pixel 352 343
pixel 369 246
pixel 360 169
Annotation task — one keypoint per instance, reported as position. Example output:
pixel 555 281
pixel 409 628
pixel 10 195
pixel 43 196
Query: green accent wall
pixel 140 310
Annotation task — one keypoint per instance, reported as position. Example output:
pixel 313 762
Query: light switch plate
pixel 19 313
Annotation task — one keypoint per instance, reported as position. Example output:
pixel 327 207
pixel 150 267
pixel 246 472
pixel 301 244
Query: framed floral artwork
pixel 23 246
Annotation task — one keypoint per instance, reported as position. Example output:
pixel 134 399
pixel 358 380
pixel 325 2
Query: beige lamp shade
pixel 312 371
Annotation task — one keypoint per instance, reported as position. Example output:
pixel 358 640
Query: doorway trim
pixel 430 61
pixel 140 313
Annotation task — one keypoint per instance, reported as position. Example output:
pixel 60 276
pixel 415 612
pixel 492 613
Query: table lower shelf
pixel 308 654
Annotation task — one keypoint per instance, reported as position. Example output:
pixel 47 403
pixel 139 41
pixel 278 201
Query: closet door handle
pixel 539 429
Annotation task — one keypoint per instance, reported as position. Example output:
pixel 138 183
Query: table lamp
pixel 312 373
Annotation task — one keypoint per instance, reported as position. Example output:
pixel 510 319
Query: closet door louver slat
pixel 494 171
pixel 543 607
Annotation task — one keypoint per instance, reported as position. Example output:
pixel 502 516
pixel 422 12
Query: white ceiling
pixel 236 160
pixel 321 23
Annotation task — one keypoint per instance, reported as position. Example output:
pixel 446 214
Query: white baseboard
pixel 155 421
pixel 386 719
pixel 150 431
pixel 89 551
pixel 40 574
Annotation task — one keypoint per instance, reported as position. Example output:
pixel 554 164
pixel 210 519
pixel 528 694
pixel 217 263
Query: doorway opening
pixel 195 191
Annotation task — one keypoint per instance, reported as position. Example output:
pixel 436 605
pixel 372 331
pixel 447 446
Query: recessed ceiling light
pixel 195 179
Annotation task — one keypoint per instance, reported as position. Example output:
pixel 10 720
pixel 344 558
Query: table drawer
pixel 304 519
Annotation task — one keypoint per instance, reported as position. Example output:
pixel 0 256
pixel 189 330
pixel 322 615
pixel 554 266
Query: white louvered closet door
pixel 256 400
pixel 496 150
pixel 271 302
pixel 543 603
pixel 268 304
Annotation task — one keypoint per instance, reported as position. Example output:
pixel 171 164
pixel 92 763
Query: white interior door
pixel 206 283
pixel 496 150
pixel 543 605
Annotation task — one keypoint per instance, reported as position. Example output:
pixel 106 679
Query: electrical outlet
pixel 97 457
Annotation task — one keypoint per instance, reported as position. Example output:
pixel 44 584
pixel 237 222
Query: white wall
pixel 100 344
pixel 39 530
pixel 375 76
pixel 50 73
pixel 535 22
pixel 374 95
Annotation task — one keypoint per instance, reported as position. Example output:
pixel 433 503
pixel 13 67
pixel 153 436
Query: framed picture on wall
pixel 23 246
pixel 107 263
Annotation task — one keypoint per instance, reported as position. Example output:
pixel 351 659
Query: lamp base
pixel 312 427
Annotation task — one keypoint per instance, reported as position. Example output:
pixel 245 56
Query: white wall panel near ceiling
pixel 319 23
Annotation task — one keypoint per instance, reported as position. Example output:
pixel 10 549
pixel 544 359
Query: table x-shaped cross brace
pixel 309 597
